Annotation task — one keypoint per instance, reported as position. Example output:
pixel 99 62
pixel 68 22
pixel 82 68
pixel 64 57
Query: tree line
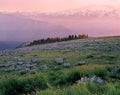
pixel 57 39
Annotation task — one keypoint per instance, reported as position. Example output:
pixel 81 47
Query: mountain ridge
pixel 5 45
pixel 104 9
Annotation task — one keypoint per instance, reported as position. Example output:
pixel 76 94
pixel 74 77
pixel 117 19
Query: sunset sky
pixel 97 20
pixel 52 5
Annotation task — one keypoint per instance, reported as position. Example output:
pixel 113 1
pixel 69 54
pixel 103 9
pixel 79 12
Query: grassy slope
pixel 100 54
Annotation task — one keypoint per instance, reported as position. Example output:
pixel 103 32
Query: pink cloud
pixel 51 5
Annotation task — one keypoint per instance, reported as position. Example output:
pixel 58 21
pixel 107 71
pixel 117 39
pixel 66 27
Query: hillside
pixel 53 40
pixel 80 67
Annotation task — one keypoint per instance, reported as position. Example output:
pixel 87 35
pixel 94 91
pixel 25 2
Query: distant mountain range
pixel 28 26
pixel 85 11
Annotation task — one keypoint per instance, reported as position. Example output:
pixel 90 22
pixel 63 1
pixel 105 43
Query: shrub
pixel 103 73
pixel 15 86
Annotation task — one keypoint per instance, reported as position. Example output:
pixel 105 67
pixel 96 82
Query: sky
pixel 52 5
pixel 20 26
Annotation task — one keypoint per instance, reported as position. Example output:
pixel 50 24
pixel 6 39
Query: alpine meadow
pixel 59 47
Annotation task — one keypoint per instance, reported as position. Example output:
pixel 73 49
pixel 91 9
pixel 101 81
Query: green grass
pixel 65 77
pixel 85 89
pixel 62 80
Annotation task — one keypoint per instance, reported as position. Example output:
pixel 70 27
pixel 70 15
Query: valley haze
pixel 22 26
pixel 25 26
